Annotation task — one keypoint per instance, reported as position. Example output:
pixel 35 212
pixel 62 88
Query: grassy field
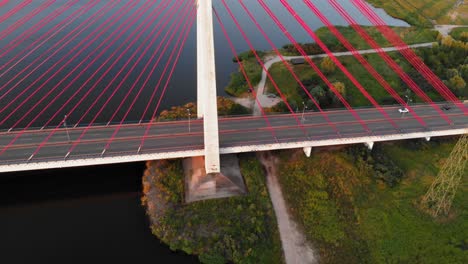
pixel 421 12
pixel 410 35
pixel 290 88
pixel 446 58
pixel 352 216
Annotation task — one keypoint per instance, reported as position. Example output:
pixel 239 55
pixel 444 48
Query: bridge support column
pixel 369 145
pixel 207 102
pixel 200 62
pixel 307 151
pixel 428 139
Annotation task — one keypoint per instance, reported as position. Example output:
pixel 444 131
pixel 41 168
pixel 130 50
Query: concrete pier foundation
pixel 200 185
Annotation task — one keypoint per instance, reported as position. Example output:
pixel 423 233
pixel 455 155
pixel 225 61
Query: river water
pixel 94 214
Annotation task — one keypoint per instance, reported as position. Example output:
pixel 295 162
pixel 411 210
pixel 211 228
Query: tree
pixel 317 92
pixel 463 70
pixel 457 84
pixel 340 87
pixel 464 36
pixel 320 95
pixel 452 73
pixel 327 65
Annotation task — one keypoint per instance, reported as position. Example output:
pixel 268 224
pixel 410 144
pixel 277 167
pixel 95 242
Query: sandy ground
pixel 295 247
pixel 444 30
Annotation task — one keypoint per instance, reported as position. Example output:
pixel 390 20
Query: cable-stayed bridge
pixel 65 65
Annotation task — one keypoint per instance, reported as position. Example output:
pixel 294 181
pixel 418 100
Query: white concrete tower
pixel 207 103
pixel 200 61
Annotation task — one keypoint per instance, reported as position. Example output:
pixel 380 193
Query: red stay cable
pixel 148 24
pixel 134 65
pixel 315 67
pixel 94 86
pixel 171 29
pixel 241 66
pixel 409 54
pixel 78 47
pixel 288 66
pixel 283 97
pixel 361 59
pixel 135 19
pixel 338 63
pixel 396 68
pixel 44 37
pixel 15 10
pixel 26 35
pixel 187 28
pixel 25 19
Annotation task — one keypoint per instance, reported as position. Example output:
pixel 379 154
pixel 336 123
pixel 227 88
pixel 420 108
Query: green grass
pixel 238 229
pixel 397 230
pixel 285 82
pixel 372 222
pixel 411 35
pixel 238 85
pixel 290 87
pixel 421 12
pixel 460 34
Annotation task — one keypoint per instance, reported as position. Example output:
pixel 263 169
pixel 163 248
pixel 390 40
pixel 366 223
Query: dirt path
pixel 295 247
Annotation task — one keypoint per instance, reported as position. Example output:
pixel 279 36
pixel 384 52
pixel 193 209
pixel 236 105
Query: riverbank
pixel 239 229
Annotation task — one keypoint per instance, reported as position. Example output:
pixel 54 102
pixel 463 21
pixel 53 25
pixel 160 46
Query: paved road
pixel 234 131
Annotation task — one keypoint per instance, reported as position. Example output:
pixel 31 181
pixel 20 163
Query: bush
pixel 379 164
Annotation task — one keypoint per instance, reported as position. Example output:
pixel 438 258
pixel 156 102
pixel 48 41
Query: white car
pixel 403 110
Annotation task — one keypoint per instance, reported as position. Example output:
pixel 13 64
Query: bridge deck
pixel 239 134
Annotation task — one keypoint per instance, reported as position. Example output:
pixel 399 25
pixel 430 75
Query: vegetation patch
pixel 355 216
pixel 448 59
pixel 411 35
pixel 238 85
pixel 422 13
pixel 460 34
pixel 237 229
pixel 225 107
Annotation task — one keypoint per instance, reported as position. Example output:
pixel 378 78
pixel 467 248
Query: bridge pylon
pixel 207 107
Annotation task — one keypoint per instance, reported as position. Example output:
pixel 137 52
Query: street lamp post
pixel 303 110
pixel 189 114
pixel 408 100
pixel 66 128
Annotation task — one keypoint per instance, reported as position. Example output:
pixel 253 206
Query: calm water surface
pixel 94 214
